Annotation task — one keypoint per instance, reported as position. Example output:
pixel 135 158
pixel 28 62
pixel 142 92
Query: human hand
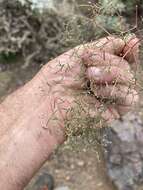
pixel 97 76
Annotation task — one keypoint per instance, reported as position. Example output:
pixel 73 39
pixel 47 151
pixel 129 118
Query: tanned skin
pixel 29 132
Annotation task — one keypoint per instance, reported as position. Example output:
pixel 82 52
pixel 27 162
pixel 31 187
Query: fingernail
pixel 93 72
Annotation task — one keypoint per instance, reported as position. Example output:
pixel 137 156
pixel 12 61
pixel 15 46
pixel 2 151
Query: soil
pixel 82 169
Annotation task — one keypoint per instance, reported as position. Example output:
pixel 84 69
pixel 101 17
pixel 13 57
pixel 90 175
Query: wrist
pixel 24 149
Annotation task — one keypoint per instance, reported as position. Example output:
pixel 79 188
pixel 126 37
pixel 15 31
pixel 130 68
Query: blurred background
pixel 34 32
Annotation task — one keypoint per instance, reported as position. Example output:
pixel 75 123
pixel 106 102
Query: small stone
pixel 80 163
pixel 100 184
pixel 57 171
pixel 62 188
pixel 45 181
pixel 67 178
pixel 72 166
pixel 84 150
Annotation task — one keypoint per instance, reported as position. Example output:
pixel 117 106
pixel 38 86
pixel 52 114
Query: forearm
pixel 20 103
pixel 32 133
pixel 25 147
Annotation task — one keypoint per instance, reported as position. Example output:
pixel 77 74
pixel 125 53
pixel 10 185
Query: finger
pixel 110 44
pixel 116 94
pixel 109 75
pixel 91 57
pixel 131 50
pixel 96 109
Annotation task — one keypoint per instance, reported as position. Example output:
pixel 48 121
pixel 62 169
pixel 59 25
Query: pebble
pixel 72 166
pixel 62 188
pixel 80 163
pixel 68 178
pixel 57 171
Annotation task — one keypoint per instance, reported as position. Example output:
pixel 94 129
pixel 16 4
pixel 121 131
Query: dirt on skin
pixel 82 167
pixel 25 51
pixel 79 167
